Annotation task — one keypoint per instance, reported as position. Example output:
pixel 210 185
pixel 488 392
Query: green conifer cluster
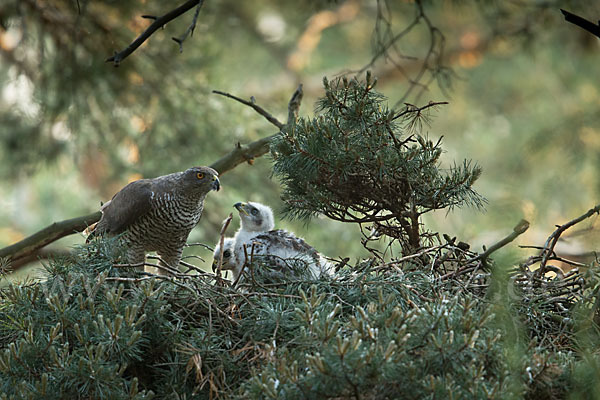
pixel 359 161
pixel 91 330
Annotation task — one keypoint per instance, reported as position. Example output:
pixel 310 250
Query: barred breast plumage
pixel 158 214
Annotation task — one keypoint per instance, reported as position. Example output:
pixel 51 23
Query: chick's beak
pixel 216 185
pixel 241 207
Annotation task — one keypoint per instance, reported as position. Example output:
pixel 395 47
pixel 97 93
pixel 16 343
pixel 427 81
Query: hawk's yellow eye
pixel 200 175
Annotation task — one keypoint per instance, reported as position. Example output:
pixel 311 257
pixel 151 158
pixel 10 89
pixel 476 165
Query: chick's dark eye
pixel 199 175
pixel 226 254
pixel 254 211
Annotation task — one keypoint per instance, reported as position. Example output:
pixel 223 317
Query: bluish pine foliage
pixel 359 161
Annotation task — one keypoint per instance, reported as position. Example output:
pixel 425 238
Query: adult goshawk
pixel 158 214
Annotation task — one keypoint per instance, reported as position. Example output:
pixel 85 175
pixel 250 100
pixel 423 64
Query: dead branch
pixel 386 48
pixel 247 153
pixel 159 22
pixel 41 254
pixel 548 249
pixel 256 107
pixel 294 105
pixel 582 22
pixel 521 227
pixel 190 30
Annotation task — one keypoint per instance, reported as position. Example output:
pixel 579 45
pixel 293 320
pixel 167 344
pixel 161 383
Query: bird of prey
pixel 286 255
pixel 158 214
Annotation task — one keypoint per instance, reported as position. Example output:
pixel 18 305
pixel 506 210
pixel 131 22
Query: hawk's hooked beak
pixel 214 265
pixel 216 185
pixel 241 207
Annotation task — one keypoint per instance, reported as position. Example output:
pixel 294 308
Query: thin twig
pixel 255 106
pixel 294 105
pixel 190 30
pixel 222 243
pixel 266 294
pixel 409 257
pixel 519 229
pixel 207 247
pixel 411 109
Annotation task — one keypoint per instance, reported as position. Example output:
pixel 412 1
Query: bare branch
pixel 582 22
pixel 385 43
pixel 159 22
pixel 40 254
pixel 521 227
pixel 256 108
pixel 548 249
pixel 411 109
pixel 190 29
pixel 242 153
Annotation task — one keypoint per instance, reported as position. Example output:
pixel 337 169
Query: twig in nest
pixel 222 244
pixel 192 267
pixel 519 229
pixel 548 249
pixel 165 267
pixel 411 256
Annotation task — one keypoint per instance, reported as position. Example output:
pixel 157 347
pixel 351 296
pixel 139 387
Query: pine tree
pixel 359 161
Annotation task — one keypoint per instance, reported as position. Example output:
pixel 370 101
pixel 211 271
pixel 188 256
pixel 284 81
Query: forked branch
pixel 548 249
pixel 158 23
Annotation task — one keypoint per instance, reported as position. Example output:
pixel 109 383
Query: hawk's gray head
pixel 199 180
pixel 255 217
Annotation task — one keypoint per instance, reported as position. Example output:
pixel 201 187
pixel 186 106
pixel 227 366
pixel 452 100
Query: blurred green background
pixel 522 86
